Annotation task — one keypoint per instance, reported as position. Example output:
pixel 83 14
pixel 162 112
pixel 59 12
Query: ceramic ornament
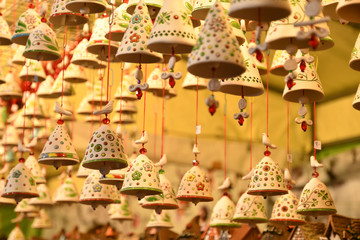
pixel 83 172
pixel 348 9
pixel 247 84
pixel 284 210
pixel 5 34
pixel 142 178
pixel 20 183
pixel 32 164
pixel 5 201
pixel 223 213
pixel 133 46
pixel 84 58
pixel 19 122
pixel 61 16
pixel 268 179
pixel 121 211
pixel 24 206
pixel 161 220
pixel 16 234
pixel 195 186
pixel 75 74
pixel 329 8
pixel 67 192
pixel 98 44
pixel 11 88
pixel 42 44
pixel 261 65
pixel 94 193
pixel 166 200
pixel 219 62
pixel 356 102
pixel 25 24
pixel 277 65
pixel 120 22
pixel 127 107
pixel 2 76
pixel 86 6
pixel 125 119
pixel 97 97
pixel 18 58
pixel 32 71
pixel 59 88
pixel 152 5
pixel 315 199
pixel 156 83
pixel 250 209
pixel 44 198
pixel 44 90
pixel 33 105
pixel 355 55
pixel 85 108
pixel 114 177
pixel 105 151
pixel 125 93
pixel 189 4
pixel 192 82
pixel 42 221
pixel 59 150
pixel 10 137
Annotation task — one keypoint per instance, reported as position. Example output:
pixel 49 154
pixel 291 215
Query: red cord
pixel 196 113
pixel 267 94
pixel 225 137
pixel 163 120
pixel 314 129
pixel 144 102
pixel 251 132
pixel 121 89
pixel 155 128
pixel 108 67
pixel 101 94
pixel 288 131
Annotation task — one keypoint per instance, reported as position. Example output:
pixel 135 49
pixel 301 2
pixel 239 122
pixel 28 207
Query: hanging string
pixel 111 18
pixel 251 132
pixel 63 68
pixel 288 131
pixel 163 120
pixel 267 93
pixel 144 101
pixel 121 89
pixel 196 114
pixel 24 116
pixel 225 113
pixel 155 127
pixel 314 128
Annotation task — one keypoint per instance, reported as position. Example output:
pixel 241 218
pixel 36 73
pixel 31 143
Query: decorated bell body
pixel 11 88
pixel 75 74
pixel 192 82
pixel 96 97
pixel 32 71
pixel 10 137
pixel 61 16
pixel 114 177
pixel 5 201
pixel 32 164
pixel 161 220
pixel 59 88
pixel 124 93
pixel 41 221
pixel 125 118
pixel 355 56
pixel 25 24
pixel 156 84
pixel 84 58
pixel 316 200
pixel 126 107
pixel 44 198
pixel 5 35
pixel 67 192
pixel 250 209
pixel 223 213
pixel 16 234
pixel 277 65
pixel 85 108
pixel 24 206
pixel 86 6
pixel 33 107
pixel 44 90
pixel 120 22
pixel 18 58
pixel 152 5
pixel 121 211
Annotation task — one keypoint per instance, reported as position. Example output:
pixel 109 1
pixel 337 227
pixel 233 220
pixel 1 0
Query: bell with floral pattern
pixel 250 209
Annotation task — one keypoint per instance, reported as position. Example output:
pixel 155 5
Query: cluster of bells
pixel 218 51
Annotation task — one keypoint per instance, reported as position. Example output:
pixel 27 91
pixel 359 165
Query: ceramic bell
pixel 83 58
pixel 86 6
pixel 161 220
pixel 306 85
pixel 33 107
pixel 98 44
pixel 105 151
pixel 11 88
pixel 2 76
pixel 61 16
pixel 18 58
pixel 152 5
pixel 5 35
pixel 268 179
pixel 42 221
pixel 44 198
pixel 16 234
pixel 355 56
pixel 44 90
pixel 142 178
pixel 127 107
pixel 20 184
pixel 195 186
pixel 32 71
pixel 67 192
pixel 24 206
pixel 277 65
pixel 256 10
pixel 32 164
pixel 10 137
pixel 247 84
pixel 284 210
pixel 25 24
pixel 156 83
pixel 5 201
pixel 348 9
pixel 94 193
pixel 19 122
pixel 59 150
pixel 125 94
pixel 114 177
pixel 125 118
pixel 133 46
pixel 223 213
pixel 173 31
pixel 83 172
pixel 329 8
pixel 166 200
pixel 324 42
pixel 97 97
pixel 121 211
pixel 85 107
pixel 59 88
pixel 250 209
pixel 225 60
pixel 120 22
pixel 356 102
pixel 42 44
pixel 316 200
pixel 75 74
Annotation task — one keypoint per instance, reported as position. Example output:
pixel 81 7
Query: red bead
pixel 22 160
pixel 106 121
pixel 195 162
pixel 314 42
pixel 290 83
pixel 31 5
pixel 171 81
pixel 302 65
pixel 139 93
pixel 241 120
pixel 315 174
pixel 143 150
pixel 60 122
pixel 267 153
pixel 304 126
pixel 212 109
pixel 43 20
pixel 259 55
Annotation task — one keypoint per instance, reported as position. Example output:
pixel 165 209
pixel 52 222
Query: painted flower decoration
pixel 16 174
pixel 32 182
pixel 198 43
pixel 200 186
pixel 134 38
pixel 147 167
pixel 136 175
pixel 136 19
pixel 97 188
pixel 190 177
pixel 217 24
pixel 148 29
